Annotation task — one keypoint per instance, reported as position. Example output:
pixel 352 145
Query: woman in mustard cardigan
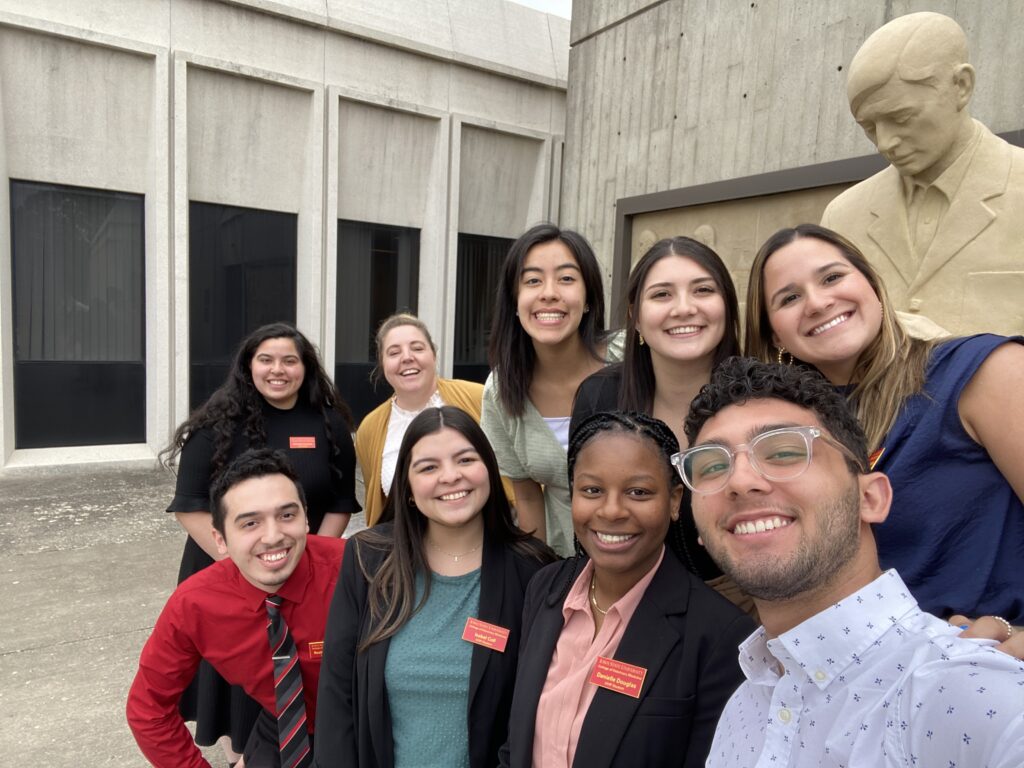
pixel 407 358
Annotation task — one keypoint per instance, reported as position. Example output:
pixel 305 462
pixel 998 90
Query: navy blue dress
pixel 956 528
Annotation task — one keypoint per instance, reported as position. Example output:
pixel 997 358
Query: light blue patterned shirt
pixel 873 681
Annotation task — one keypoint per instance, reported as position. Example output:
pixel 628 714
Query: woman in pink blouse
pixel 626 658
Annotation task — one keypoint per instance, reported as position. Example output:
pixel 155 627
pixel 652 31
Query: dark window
pixel 479 264
pixel 241 276
pixel 378 275
pixel 79 336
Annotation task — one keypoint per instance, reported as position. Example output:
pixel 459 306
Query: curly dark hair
pixel 238 406
pixel 740 379
pixel 253 463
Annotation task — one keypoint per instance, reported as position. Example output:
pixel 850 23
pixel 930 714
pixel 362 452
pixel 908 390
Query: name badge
pixel 618 676
pixel 488 635
pixel 316 649
pixel 302 442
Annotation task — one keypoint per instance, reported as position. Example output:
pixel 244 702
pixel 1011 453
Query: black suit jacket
pixel 683 633
pixel 353 718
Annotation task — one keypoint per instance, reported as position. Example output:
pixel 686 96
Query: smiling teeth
pixel 550 315
pixel 831 324
pixel 454 496
pixel 684 329
pixel 273 557
pixel 760 526
pixel 612 538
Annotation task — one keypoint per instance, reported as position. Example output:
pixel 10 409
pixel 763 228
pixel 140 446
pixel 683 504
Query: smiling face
pixel 622 503
pixel 821 308
pixel 681 312
pixel 916 126
pixel 265 529
pixel 448 480
pixel 779 539
pixel 408 362
pixel 552 295
pixel 278 372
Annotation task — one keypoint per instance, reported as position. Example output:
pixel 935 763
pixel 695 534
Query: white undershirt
pixel 397 424
pixel 559 426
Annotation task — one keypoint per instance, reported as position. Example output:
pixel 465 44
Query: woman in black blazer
pixel 679 646
pixel 447 519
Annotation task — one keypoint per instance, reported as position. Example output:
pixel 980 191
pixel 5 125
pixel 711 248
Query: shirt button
pixel 915 305
pixel 819 676
pixel 785 715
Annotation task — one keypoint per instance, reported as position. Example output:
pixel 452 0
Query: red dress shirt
pixel 219 616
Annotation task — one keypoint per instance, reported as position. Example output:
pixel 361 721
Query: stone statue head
pixel 909 86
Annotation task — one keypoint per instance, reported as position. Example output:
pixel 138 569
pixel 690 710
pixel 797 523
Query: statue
pixel 944 223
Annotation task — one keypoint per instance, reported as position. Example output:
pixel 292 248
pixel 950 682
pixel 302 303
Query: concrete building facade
pixel 176 172
pixel 727 120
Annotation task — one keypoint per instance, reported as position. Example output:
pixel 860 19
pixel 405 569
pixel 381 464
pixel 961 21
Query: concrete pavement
pixel 91 557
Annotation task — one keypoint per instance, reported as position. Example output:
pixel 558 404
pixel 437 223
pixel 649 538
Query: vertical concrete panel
pixel 6 302
pixel 499 181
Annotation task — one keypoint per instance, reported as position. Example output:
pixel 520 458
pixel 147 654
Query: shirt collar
pixel 578 598
pixel 950 179
pixel 825 645
pixel 293 590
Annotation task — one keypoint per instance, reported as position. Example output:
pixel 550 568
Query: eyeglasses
pixel 781 454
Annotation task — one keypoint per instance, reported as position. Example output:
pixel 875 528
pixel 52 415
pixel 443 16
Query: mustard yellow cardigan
pixel 373 431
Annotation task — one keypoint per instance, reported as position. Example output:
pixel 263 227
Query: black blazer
pixel 683 633
pixel 353 721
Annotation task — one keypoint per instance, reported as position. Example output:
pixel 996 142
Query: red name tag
pixel 316 649
pixel 302 442
pixel 488 635
pixel 618 676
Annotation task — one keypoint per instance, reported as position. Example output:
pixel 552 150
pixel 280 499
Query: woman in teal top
pixel 422 639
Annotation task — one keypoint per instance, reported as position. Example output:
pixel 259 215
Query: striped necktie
pixel 291 706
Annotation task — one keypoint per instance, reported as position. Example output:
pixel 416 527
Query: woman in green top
pixel 405 680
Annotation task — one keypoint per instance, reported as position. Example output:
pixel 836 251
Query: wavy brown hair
pixel 237 405
pixel 889 370
pixel 391 594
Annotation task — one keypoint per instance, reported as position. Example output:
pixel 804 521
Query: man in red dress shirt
pixel 220 615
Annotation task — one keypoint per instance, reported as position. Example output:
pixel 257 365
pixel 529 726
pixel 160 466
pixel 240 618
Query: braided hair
pixel 645 427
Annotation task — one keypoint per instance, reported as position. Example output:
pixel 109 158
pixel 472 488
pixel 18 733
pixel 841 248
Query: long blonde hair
pixel 891 368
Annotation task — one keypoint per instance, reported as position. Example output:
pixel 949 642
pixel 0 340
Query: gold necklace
pixel 593 596
pixel 452 555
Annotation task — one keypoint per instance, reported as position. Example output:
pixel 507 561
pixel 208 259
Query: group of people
pixel 552 577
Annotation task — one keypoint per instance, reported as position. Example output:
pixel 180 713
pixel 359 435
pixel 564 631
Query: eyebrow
pixel 631 479
pixel 667 284
pixel 566 265
pixel 754 431
pixel 467 449
pixel 242 516
pixel 818 271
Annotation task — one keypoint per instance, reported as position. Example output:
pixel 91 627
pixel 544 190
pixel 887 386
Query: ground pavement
pixel 90 559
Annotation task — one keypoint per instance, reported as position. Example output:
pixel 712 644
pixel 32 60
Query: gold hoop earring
pixel 641 337
pixel 782 351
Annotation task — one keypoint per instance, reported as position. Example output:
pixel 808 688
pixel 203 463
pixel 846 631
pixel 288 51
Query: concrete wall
pixel 664 95
pixel 389 111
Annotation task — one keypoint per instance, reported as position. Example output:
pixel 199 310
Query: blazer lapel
pixel 888 226
pixel 968 213
pixel 647 642
pixel 493 575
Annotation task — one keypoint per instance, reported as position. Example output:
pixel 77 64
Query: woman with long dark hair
pixel 681 320
pixel 547 336
pixel 421 646
pixel 276 395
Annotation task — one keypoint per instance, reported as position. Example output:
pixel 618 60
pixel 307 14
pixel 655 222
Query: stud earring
pixel 641 337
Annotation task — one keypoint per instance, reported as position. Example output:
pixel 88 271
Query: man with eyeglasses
pixel 846 669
